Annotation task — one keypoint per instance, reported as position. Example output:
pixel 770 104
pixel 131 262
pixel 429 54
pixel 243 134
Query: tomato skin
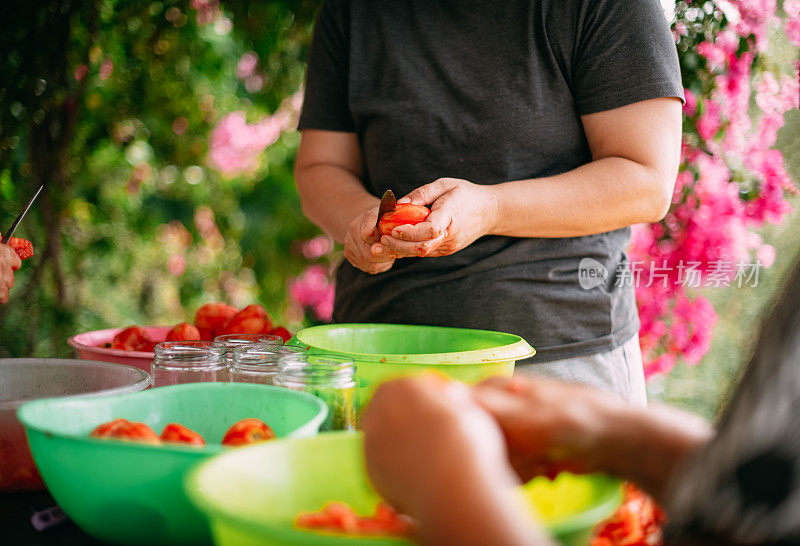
pixel 281 331
pixel 211 318
pixel 253 319
pixel 248 431
pixel 133 338
pixel 179 434
pixel 402 215
pixel 122 429
pixel 184 332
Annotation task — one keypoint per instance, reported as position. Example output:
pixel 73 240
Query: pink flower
pixel 176 265
pixel 317 247
pixel 80 72
pixel 236 146
pixel 710 120
pixel 106 68
pixel 247 65
pixel 690 106
pixel 766 255
pixel 314 291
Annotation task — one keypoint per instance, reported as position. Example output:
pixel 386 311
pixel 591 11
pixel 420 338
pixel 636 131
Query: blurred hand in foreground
pixel 438 457
pixel 9 262
pixel 552 426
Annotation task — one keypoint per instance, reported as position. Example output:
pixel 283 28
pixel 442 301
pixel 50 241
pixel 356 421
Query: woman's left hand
pixel 460 213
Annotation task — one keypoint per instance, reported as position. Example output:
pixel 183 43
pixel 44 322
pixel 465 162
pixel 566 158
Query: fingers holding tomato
pixel 361 245
pixel 461 212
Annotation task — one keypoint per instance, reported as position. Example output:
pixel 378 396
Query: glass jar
pixel 232 341
pixel 258 362
pixel 330 377
pixel 179 362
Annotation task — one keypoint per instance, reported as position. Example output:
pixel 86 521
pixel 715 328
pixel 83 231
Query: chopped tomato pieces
pixel 211 319
pixel 22 247
pixel 637 522
pixel 248 431
pixel 122 429
pixel 133 338
pixel 253 319
pixel 184 332
pixel 179 434
pixel 337 517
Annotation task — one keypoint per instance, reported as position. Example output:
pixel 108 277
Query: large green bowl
pixel 385 351
pixel 131 493
pixel 252 496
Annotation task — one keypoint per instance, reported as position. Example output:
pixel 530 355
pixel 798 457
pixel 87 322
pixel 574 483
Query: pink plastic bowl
pixel 87 347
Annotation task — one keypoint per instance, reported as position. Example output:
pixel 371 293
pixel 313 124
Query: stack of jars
pixel 263 359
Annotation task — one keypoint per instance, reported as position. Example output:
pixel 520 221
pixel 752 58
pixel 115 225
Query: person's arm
pixel 441 460
pixel 328 176
pixel 635 155
pixel 9 262
pixel 552 425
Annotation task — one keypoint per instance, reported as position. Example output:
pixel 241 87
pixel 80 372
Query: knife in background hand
pixel 388 204
pixel 10 232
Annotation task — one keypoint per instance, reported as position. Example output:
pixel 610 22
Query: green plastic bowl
pixel 252 496
pixel 125 492
pixel 385 351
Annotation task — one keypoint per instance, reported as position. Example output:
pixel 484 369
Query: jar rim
pixel 189 352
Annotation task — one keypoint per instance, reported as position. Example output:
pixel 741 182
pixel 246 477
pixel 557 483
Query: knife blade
pixel 7 236
pixel 388 204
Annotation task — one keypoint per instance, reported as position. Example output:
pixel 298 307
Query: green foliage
pixel 111 103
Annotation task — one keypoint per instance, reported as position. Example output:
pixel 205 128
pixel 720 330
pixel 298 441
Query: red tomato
pixel 281 331
pixel 179 434
pixel 133 339
pixel 22 247
pixel 211 318
pixel 248 431
pixel 401 216
pixel 122 429
pixel 253 319
pixel 184 332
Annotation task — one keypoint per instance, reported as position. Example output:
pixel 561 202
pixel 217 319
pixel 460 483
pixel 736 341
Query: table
pixel 16 510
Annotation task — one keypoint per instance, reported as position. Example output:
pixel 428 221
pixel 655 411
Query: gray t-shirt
pixel 488 91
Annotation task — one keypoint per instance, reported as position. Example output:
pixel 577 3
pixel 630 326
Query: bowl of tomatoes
pixel 315 492
pixel 116 464
pixel 134 345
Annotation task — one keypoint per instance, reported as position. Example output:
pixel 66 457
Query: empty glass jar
pixel 179 362
pixel 258 363
pixel 330 377
pixel 233 341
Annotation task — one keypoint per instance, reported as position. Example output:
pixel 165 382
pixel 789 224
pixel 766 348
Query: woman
pixel 447 458
pixel 536 130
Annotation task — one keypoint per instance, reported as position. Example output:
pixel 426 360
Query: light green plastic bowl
pixel 130 493
pixel 386 351
pixel 252 496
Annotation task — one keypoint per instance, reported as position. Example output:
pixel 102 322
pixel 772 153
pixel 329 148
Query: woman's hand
pixel 549 425
pixel 460 213
pixel 418 431
pixel 552 426
pixel 435 455
pixel 9 262
pixel 361 246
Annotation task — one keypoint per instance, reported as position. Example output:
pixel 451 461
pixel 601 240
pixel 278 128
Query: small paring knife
pixel 7 236
pixel 388 204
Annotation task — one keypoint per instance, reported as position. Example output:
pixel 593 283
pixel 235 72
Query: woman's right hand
pixel 362 247
pixel 9 262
